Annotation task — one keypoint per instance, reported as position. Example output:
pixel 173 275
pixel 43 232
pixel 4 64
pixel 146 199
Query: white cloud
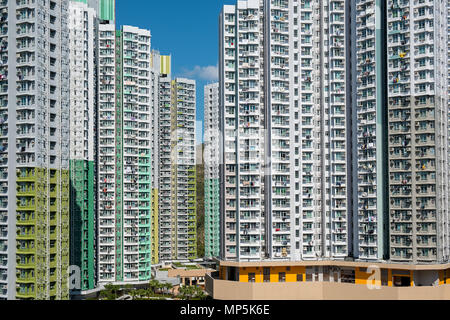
pixel 208 73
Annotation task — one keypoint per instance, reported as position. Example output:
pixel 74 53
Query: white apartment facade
pixel 155 73
pixel 418 131
pixel 371 151
pixel 211 170
pixel 177 198
pixel 106 153
pixel 83 26
pixel 34 166
pixel 334 130
pixel 283 154
pixel 402 131
pixel 124 155
pixel 320 76
pixel 83 36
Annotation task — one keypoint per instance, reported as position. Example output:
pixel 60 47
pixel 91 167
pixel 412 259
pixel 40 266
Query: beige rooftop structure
pixel 328 280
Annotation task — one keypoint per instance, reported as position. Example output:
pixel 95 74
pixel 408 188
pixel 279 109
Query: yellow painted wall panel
pixel 223 273
pixel 259 277
pixel 441 277
pixel 362 277
pixel 299 270
pixel 274 273
pixel 291 274
pixel 243 275
pixel 165 64
pixel 244 272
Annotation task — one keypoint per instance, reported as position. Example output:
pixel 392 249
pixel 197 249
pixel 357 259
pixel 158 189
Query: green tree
pixel 187 292
pixel 153 285
pixel 128 288
pixel 182 292
pixel 199 293
pixel 142 293
pixel 110 293
pixel 169 288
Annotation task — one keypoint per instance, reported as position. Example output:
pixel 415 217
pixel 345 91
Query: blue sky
pixel 188 30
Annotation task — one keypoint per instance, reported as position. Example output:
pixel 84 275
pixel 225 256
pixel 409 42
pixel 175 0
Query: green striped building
pixel 211 162
pixel 83 137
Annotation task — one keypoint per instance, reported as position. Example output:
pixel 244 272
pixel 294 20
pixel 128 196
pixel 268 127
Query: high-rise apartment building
pixel 83 26
pixel 211 171
pixel 283 124
pixel 418 110
pixel 155 65
pixel 370 117
pixel 124 219
pixel 106 154
pixel 160 65
pixel 34 143
pixel 448 79
pixel 320 77
pixel 177 182
pixel 242 130
pixel 334 130
pixel 402 131
pixel 106 9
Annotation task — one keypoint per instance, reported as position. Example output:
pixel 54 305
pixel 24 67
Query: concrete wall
pixel 229 290
pixel 426 278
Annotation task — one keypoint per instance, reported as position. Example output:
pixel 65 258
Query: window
pixel 282 277
pixel 251 277
pixel 266 272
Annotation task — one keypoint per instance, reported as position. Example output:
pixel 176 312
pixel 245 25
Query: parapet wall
pixel 233 290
